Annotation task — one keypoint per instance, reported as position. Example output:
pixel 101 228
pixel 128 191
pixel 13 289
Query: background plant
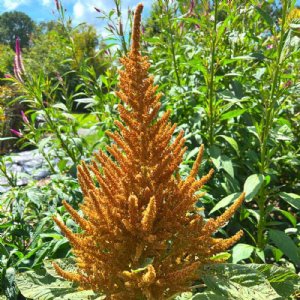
pixel 228 71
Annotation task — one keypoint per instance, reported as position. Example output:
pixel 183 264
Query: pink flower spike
pixel 18 56
pixel 16 132
pixel 18 46
pixel 7 76
pixel 57 4
pixel 24 118
pixel 192 7
pixel 270 46
pixel 17 70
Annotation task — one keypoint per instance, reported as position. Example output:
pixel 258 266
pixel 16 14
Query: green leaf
pixel 291 199
pixel 42 286
pixel 3 250
pixel 225 202
pixel 237 282
pixel 192 153
pixel 252 186
pixel 227 165
pixel 232 142
pixel 60 106
pixel 289 216
pixel 8 282
pixel 286 245
pixel 241 251
pixel 232 114
pixel 260 253
pixel 208 296
pixel 284 281
pixel 266 16
pixel 221 256
pixel 184 296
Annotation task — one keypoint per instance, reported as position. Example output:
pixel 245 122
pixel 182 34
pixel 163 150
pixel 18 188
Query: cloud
pixel 13 4
pixel 84 11
pixel 46 2
pixel 78 10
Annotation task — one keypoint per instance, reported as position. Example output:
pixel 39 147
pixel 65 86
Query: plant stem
pixel 267 124
pixel 121 32
pixel 57 133
pixel 211 96
pixel 173 52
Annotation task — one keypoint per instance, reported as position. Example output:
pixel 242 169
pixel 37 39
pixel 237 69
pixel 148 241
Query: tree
pixel 15 24
pixel 6 61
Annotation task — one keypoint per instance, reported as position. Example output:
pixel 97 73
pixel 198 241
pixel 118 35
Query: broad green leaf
pixel 252 186
pixel 261 254
pixel 183 296
pixel 192 153
pixel 7 138
pixel 266 16
pixel 60 106
pixel 3 250
pixel 289 216
pixel 208 296
pixel 221 256
pixel 232 142
pixel 286 245
pixel 241 251
pixel 8 282
pixel 291 199
pixel 283 280
pixel 227 165
pixel 225 202
pixel 67 264
pixel 42 286
pixel 232 114
pixel 259 73
pixel 237 282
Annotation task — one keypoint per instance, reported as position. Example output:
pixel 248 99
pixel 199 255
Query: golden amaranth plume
pixel 135 209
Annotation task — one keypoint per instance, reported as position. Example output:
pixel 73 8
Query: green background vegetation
pixel 229 73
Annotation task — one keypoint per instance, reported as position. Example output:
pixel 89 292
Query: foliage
pixel 223 281
pixel 15 24
pixel 47 53
pixel 6 60
pixel 27 234
pixel 229 74
pixel 118 238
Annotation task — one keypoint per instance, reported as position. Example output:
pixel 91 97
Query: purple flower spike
pixel 18 62
pixel 192 7
pixel 16 132
pixel 7 76
pixel 17 70
pixel 57 4
pixel 97 10
pixel 24 118
pixel 18 46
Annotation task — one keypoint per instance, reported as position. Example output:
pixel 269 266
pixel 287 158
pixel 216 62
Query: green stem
pixel 10 177
pixel 58 135
pixel 121 32
pixel 173 52
pixel 211 98
pixel 267 124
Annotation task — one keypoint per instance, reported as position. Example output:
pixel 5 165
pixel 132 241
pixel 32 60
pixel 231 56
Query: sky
pixel 79 10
